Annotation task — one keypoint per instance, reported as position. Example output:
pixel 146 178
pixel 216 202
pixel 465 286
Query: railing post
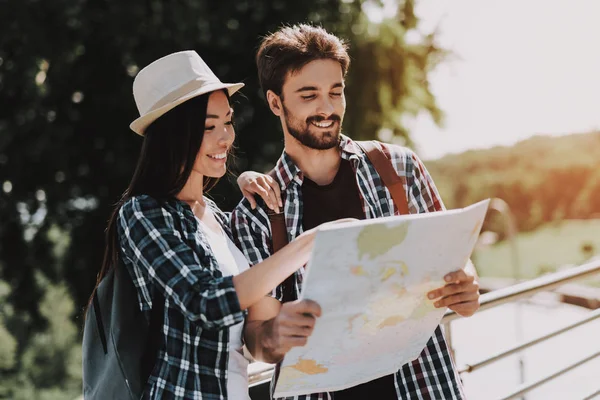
pixel 511 232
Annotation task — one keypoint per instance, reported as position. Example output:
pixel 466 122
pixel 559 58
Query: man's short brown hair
pixel 291 48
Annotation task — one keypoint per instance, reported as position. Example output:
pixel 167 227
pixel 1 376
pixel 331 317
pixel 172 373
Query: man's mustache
pixel 319 118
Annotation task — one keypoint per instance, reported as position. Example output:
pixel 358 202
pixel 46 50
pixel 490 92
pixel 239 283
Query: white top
pixel 231 262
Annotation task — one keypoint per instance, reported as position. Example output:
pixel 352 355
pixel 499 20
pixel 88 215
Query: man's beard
pixel 326 140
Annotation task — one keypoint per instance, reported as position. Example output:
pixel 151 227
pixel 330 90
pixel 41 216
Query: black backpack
pixel 120 344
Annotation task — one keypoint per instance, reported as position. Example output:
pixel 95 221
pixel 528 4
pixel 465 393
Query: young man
pixel 325 176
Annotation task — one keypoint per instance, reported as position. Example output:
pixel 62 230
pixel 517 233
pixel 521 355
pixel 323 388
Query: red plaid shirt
pixel 433 374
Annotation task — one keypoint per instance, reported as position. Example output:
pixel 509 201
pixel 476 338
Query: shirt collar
pixel 286 170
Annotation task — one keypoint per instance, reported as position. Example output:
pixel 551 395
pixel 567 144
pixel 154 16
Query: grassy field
pixel 543 250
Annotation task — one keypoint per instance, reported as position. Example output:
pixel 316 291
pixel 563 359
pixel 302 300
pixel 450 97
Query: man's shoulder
pixel 244 213
pixel 402 158
pixel 398 151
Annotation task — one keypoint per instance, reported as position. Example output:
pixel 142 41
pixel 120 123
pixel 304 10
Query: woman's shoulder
pixel 141 203
pixel 148 206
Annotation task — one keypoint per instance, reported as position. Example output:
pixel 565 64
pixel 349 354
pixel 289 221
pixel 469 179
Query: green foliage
pixel 8 344
pixel 543 179
pixel 544 250
pixel 52 356
pixel 389 77
pixel 47 357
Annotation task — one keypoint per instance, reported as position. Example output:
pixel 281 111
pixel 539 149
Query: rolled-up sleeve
pixel 149 239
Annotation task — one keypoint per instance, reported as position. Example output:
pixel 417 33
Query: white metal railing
pixel 529 288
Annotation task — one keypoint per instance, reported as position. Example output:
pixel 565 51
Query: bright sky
pixel 524 67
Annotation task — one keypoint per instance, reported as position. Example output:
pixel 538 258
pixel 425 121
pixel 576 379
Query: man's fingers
pixel 456 299
pixel 465 309
pixel 458 276
pixel 453 288
pixel 457 281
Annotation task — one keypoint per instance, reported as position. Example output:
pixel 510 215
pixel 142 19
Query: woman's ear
pixel 275 103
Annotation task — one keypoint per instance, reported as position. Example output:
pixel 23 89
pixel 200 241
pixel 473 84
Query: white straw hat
pixel 168 82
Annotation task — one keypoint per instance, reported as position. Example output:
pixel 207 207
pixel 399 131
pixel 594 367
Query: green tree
pixel 8 344
pixel 388 78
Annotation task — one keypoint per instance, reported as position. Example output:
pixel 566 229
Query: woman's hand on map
pixel 460 293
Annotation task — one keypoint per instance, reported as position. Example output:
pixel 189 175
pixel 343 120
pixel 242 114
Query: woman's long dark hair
pixel 171 144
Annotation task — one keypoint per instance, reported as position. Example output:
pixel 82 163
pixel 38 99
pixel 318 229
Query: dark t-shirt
pixel 341 199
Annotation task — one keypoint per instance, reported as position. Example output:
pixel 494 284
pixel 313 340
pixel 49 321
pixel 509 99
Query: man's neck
pixel 320 166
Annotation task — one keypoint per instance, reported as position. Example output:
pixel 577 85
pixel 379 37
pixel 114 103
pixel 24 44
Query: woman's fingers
pixel 253 183
pixel 276 190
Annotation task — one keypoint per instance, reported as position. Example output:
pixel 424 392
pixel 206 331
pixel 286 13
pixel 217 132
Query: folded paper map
pixel 370 279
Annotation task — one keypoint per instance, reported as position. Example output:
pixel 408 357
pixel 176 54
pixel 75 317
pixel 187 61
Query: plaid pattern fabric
pixel 164 250
pixel 432 375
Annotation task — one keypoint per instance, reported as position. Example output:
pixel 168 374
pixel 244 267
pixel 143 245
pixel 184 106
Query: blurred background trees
pixel 66 152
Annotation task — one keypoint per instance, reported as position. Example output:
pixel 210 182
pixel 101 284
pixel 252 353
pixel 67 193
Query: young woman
pixel 175 243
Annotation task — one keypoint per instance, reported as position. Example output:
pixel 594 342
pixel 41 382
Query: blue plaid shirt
pixel 164 250
pixel 433 374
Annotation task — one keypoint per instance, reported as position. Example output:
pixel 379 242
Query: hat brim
pixel 139 125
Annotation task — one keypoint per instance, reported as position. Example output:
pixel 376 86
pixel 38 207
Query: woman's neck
pixel 192 194
pixel 193 191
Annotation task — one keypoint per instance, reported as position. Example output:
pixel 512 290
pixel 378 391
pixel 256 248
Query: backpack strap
pixel 386 171
pixel 279 239
pixel 99 324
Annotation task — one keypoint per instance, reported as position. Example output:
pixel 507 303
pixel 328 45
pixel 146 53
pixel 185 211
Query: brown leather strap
pixel 279 236
pixel 278 230
pixel 386 171
pixel 279 239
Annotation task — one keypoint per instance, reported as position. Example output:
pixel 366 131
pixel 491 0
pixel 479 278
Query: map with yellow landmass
pixel 309 367
pixel 375 240
pixel 371 279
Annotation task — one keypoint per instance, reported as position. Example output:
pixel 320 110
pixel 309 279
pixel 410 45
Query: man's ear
pixel 275 103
